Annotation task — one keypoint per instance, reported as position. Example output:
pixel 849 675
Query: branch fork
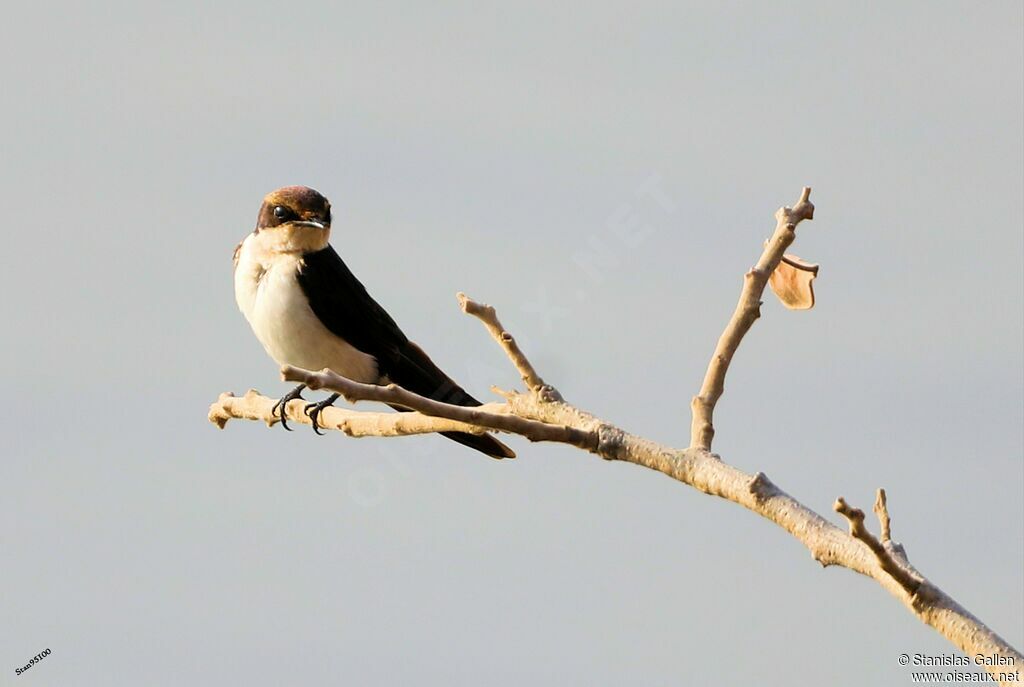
pixel 883 551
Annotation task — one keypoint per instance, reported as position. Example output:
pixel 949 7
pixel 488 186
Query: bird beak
pixel 308 223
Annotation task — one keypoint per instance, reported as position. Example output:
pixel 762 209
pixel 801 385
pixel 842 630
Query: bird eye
pixel 280 212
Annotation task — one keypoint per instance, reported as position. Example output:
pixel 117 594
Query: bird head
pixel 295 219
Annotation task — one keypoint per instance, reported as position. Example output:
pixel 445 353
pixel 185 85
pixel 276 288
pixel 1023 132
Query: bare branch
pixel 702 429
pixel 393 394
pixel 486 314
pixel 253 406
pixel 885 559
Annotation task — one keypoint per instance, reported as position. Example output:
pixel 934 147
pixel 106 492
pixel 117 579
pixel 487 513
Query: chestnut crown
pixel 296 204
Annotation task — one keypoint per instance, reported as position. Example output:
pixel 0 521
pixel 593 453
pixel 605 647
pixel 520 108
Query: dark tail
pixel 418 373
pixel 484 443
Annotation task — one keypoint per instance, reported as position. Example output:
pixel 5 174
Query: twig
pixel 702 429
pixel 882 512
pixel 486 314
pixel 479 416
pixel 885 559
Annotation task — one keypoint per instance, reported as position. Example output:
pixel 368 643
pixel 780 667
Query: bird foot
pixel 280 408
pixel 313 410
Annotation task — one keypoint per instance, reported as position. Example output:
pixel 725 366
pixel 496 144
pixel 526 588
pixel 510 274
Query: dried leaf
pixel 791 282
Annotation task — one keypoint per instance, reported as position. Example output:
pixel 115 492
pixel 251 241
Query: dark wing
pixel 342 304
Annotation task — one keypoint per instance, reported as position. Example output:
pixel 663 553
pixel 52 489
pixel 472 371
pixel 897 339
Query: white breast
pixel 271 299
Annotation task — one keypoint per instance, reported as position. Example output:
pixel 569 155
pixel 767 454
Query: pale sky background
pixel 491 151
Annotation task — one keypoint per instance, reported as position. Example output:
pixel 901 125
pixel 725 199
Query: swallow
pixel 308 310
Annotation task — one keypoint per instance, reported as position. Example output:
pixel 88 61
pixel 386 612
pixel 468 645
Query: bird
pixel 309 310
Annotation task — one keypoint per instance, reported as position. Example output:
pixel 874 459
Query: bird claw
pixel 280 409
pixel 313 410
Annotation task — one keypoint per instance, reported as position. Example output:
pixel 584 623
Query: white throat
pixel 290 238
pixel 269 295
